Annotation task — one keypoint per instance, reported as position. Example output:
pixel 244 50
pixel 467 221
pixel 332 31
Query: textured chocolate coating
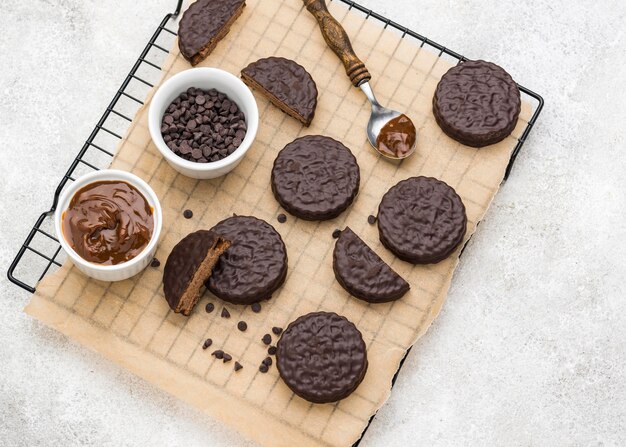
pixel 315 178
pixel 184 261
pixel 254 266
pixel 204 24
pixel 322 357
pixel 421 220
pixel 477 103
pixel 285 83
pixel 363 273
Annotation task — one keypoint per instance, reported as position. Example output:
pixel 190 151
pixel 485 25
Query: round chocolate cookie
pixel 421 220
pixel 254 266
pixel 315 178
pixel 477 103
pixel 363 273
pixel 321 357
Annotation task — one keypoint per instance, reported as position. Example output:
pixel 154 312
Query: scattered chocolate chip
pixel 371 219
pixel 219 354
pixel 238 366
pixel 263 368
pixel 282 218
pixel 336 234
pixel 256 308
pixel 210 307
pixel 188 214
pixel 267 339
pixel 208 342
pixel 271 350
pixel 277 330
pixel 242 326
pixel 227 357
pixel 155 263
pixel 225 313
pixel 267 361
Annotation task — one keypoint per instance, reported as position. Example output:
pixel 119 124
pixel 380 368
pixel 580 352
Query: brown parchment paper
pixel 130 323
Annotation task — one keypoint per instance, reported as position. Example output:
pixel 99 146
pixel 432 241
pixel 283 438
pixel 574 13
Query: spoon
pixel 390 132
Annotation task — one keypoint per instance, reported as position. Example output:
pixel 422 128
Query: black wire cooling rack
pixel 41 251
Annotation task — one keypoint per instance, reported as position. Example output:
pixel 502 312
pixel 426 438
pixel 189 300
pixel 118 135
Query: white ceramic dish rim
pixel 106 175
pixel 188 76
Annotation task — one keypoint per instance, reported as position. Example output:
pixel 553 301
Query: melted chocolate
pixel 397 137
pixel 108 222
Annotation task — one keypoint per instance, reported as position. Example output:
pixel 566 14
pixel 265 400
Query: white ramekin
pixel 204 78
pixel 124 270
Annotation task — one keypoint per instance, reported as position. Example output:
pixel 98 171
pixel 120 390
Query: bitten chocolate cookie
pixel 254 266
pixel 421 220
pixel 363 273
pixel 321 357
pixel 477 103
pixel 315 178
pixel 204 24
pixel 286 84
pixel 188 265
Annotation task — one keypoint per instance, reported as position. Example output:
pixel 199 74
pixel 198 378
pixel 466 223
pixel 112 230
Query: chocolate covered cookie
pixel 363 273
pixel 321 357
pixel 204 24
pixel 315 177
pixel 187 267
pixel 421 220
pixel 286 84
pixel 477 103
pixel 254 266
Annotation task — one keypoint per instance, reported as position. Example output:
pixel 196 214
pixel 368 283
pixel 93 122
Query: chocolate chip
pixel 227 357
pixel 196 153
pixel 188 214
pixel 336 234
pixel 209 307
pixel 219 354
pixel 371 219
pixel 242 326
pixel 271 350
pixel 277 330
pixel 282 218
pixel 238 366
pixel 267 361
pixel 155 263
pixel 256 308
pixel 263 368
pixel 185 125
pixel 267 339
pixel 208 342
pixel 225 313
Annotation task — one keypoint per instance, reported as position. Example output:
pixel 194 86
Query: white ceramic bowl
pixel 204 78
pixel 124 270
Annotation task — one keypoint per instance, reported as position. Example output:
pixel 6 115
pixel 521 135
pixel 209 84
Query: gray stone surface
pixel 530 348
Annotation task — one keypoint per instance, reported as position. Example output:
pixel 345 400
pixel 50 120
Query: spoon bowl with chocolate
pixel 390 132
pixel 109 223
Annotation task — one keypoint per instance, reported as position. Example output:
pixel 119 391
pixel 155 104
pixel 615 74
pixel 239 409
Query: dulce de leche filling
pixel 108 222
pixel 397 137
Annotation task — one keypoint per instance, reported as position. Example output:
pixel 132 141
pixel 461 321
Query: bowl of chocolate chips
pixel 203 121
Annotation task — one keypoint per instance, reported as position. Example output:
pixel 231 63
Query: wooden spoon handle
pixel 338 41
